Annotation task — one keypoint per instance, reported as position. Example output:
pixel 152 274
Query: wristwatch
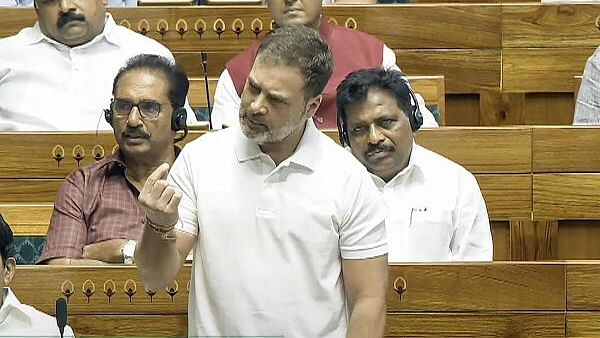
pixel 128 251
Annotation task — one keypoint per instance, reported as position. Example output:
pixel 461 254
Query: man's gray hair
pixel 301 47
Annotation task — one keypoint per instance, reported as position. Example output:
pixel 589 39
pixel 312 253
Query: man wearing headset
pixel 435 209
pixel 96 217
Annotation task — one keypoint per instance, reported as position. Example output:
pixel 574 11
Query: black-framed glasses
pixel 147 109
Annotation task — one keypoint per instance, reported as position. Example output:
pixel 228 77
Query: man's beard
pixel 272 136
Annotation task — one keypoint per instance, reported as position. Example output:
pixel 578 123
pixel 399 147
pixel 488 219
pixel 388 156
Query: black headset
pixel 414 117
pixel 178 118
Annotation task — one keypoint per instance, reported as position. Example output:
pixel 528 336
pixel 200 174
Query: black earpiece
pixel 108 115
pixel 179 119
pixel 415 117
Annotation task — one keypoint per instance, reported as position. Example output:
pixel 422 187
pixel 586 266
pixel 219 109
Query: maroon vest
pixel 352 50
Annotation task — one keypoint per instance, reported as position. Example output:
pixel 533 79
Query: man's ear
pixel 312 105
pixel 9 270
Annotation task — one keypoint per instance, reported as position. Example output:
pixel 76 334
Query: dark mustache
pixel 138 133
pixel 379 147
pixel 64 19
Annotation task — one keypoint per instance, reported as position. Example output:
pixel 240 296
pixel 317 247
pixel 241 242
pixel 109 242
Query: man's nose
pixel 134 119
pixel 66 5
pixel 258 105
pixel 375 135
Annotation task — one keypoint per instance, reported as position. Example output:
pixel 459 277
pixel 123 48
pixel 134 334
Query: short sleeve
pixel 362 232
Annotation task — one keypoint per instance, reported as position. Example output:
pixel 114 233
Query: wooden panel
pixel 550 25
pixel 466 287
pixel 548 109
pixel 583 324
pixel 485 150
pixel 534 241
pixel 506 196
pixel 579 239
pixel 503 324
pixel 432 88
pixel 542 69
pixel 566 149
pixel 126 325
pixel 465 70
pixel 29 190
pixel 404 24
pixel 583 289
pixel 31 155
pixel 41 285
pixel 499 108
pixel 190 61
pixel 462 109
pixel 453 26
pixel 197 92
pixel 27 219
pixel 501 240
pixel 566 196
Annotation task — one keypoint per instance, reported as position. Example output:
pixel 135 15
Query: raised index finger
pixel 159 173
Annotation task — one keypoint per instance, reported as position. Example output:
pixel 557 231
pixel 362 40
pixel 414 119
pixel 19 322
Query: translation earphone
pixel 414 117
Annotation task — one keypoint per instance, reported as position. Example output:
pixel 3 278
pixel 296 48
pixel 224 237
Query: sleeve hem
pixel 379 249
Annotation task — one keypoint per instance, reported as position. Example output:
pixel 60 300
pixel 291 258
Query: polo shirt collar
pixel 414 161
pixel 35 35
pixel 11 303
pixel 305 154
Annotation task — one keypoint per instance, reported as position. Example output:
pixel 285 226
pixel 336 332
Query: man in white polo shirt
pixel 287 227
pixel 436 211
pixel 57 75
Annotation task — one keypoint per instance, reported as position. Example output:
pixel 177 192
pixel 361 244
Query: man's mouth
pixel 377 153
pixel 135 135
pixel 253 124
pixel 292 10
pixel 69 19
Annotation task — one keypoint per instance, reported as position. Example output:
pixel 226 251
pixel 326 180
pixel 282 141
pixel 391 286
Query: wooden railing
pixel 502 299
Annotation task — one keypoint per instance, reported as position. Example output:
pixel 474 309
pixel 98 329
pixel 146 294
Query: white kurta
pixel 20 320
pixel 47 86
pixel 436 212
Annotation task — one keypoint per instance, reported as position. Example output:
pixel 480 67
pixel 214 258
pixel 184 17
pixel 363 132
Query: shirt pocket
pixel 431 227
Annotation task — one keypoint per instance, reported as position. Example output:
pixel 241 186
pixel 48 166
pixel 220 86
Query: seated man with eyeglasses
pixel 97 218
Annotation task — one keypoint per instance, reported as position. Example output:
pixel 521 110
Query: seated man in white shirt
pixel 57 75
pixel 16 319
pixel 435 209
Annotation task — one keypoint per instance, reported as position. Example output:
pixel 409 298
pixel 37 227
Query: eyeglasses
pixel 147 109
